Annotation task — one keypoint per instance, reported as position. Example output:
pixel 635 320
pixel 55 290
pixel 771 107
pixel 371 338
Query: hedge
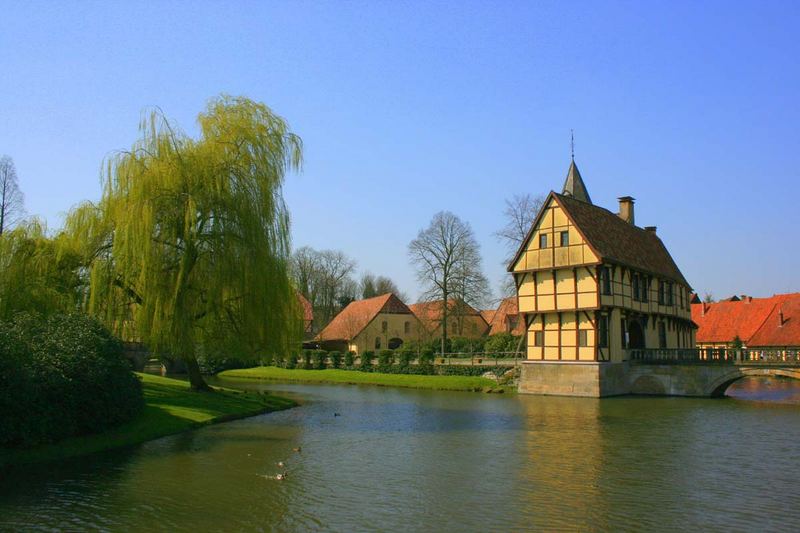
pixel 62 376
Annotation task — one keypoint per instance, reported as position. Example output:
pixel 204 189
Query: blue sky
pixel 409 108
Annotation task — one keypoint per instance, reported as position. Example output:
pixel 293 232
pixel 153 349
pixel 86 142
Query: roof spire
pixel 572 143
pixel 574 186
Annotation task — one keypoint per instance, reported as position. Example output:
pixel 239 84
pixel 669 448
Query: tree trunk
pixel 198 384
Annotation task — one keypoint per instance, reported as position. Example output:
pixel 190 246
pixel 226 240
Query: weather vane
pixel 572 143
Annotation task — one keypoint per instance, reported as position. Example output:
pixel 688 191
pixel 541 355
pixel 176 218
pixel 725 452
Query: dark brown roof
pixel 574 186
pixel 357 316
pixel 613 239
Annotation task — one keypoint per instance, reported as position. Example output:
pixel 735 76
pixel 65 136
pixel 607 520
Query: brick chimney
pixel 651 229
pixel 626 208
pixel 781 322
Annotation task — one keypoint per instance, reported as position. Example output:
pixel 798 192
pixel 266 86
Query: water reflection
pixel 421 460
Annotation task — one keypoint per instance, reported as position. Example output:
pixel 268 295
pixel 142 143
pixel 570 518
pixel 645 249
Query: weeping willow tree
pixel 38 274
pixel 188 248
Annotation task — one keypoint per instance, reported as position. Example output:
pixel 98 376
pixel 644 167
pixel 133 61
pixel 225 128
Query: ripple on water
pixel 420 460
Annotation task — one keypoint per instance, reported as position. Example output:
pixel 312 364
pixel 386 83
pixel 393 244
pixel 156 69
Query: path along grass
pixel 170 407
pixel 355 377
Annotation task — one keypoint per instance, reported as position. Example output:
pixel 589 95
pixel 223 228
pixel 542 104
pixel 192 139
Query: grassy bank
pixel 170 407
pixel 355 377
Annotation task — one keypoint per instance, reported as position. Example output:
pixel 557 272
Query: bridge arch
pixel 718 386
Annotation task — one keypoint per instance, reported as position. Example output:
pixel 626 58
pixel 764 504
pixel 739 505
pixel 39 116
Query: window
pixel 384 326
pixel 407 327
pixel 583 337
pixel 662 335
pixel 636 287
pixel 538 338
pixel 645 289
pixel 670 300
pixel 605 280
pixel 564 238
pixel 661 293
pixel 377 343
pixel 624 333
pixel 543 240
pixel 602 332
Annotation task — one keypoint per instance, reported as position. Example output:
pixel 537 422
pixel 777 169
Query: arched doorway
pixel 635 335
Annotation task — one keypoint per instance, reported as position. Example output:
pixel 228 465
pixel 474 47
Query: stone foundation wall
pixel 590 379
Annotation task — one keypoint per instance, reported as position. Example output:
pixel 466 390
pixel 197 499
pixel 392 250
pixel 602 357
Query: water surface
pixel 405 460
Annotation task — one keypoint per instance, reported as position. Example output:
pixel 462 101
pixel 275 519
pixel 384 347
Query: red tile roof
pixel 782 326
pixel 308 311
pixel 357 316
pixel 430 313
pixel 753 320
pixel 506 318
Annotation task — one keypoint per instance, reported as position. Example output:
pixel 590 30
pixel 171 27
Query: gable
pixel 551 221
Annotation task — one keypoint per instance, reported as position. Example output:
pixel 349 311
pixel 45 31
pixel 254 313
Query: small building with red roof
pixel 463 320
pixel 505 319
pixel 772 322
pixel 371 324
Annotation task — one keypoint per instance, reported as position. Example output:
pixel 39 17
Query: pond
pixel 407 460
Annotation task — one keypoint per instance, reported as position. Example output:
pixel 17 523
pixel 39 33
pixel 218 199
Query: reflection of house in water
pixel 591 285
pixel 371 324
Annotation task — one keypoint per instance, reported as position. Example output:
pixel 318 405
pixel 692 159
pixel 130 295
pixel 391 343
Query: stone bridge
pixel 684 372
pixel 697 379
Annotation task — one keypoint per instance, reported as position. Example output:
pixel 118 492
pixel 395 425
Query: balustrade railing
pixel 715 355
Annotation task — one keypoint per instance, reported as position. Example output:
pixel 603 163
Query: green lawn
pixel 170 407
pixel 355 377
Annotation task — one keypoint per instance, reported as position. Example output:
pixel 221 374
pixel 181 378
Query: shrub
pixel 62 376
pixel 404 359
pixel 336 359
pixel 291 361
pixel 385 359
pixel 349 359
pixel 366 360
pixel 426 357
pixel 501 343
pixel 320 357
pixel 307 360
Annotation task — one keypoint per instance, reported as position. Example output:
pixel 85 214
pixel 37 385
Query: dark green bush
pixel 320 359
pixel 385 359
pixel 404 359
pixel 61 376
pixel 291 361
pixel 366 360
pixel 500 344
pixel 350 359
pixel 307 360
pixel 426 357
pixel 336 359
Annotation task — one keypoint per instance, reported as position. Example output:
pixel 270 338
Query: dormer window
pixel 543 240
pixel 564 238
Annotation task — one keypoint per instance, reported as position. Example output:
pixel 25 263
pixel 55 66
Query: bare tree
pixel 708 298
pixel 447 260
pixel 520 212
pixel 324 278
pixel 371 286
pixel 11 199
